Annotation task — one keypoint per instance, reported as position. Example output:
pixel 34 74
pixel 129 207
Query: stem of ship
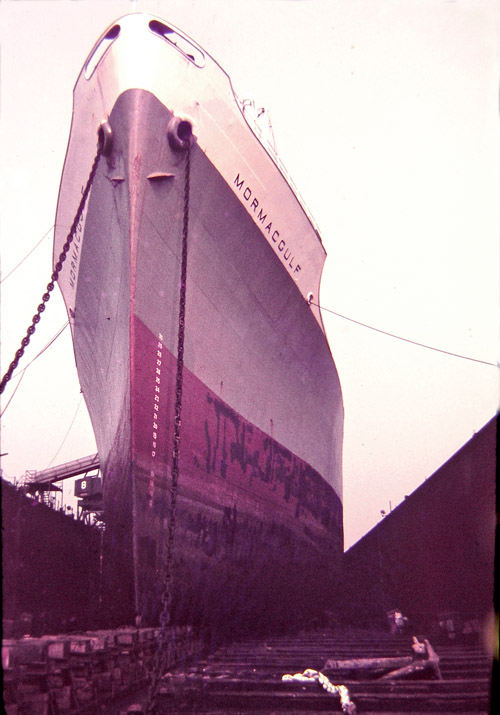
pixel 166 598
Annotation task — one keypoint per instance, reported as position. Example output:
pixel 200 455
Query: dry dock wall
pixel 50 568
pixel 432 556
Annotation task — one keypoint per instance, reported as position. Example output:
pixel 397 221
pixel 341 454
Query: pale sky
pixel 385 113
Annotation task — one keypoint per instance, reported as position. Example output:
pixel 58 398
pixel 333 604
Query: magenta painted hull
pixel 259 518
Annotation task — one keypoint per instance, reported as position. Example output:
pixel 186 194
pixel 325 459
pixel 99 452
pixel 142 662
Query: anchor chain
pixel 57 269
pixel 166 598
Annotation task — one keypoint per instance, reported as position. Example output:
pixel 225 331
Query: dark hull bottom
pixel 277 588
pixel 258 531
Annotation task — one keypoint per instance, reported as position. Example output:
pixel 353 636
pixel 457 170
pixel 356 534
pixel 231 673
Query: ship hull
pixel 258 537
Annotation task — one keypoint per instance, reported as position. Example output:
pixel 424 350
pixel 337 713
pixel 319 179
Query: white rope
pixel 309 675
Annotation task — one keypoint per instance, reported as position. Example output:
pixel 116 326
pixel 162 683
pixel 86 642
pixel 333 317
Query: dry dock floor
pixel 246 678
pixel 105 673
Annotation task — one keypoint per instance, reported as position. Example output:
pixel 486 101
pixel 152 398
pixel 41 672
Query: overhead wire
pixel 13 393
pixel 21 373
pixel 51 341
pixel 399 337
pixel 67 432
pixel 27 255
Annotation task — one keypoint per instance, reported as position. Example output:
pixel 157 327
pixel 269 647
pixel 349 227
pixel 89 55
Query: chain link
pixel 55 275
pixel 166 597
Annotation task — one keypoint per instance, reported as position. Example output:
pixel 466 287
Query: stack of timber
pixel 84 673
pixel 247 678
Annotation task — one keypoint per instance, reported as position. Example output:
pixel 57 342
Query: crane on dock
pixel 88 489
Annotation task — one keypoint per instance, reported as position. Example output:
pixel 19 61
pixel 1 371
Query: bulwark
pixel 272 233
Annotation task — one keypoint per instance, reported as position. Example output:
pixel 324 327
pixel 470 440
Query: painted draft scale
pixel 259 536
